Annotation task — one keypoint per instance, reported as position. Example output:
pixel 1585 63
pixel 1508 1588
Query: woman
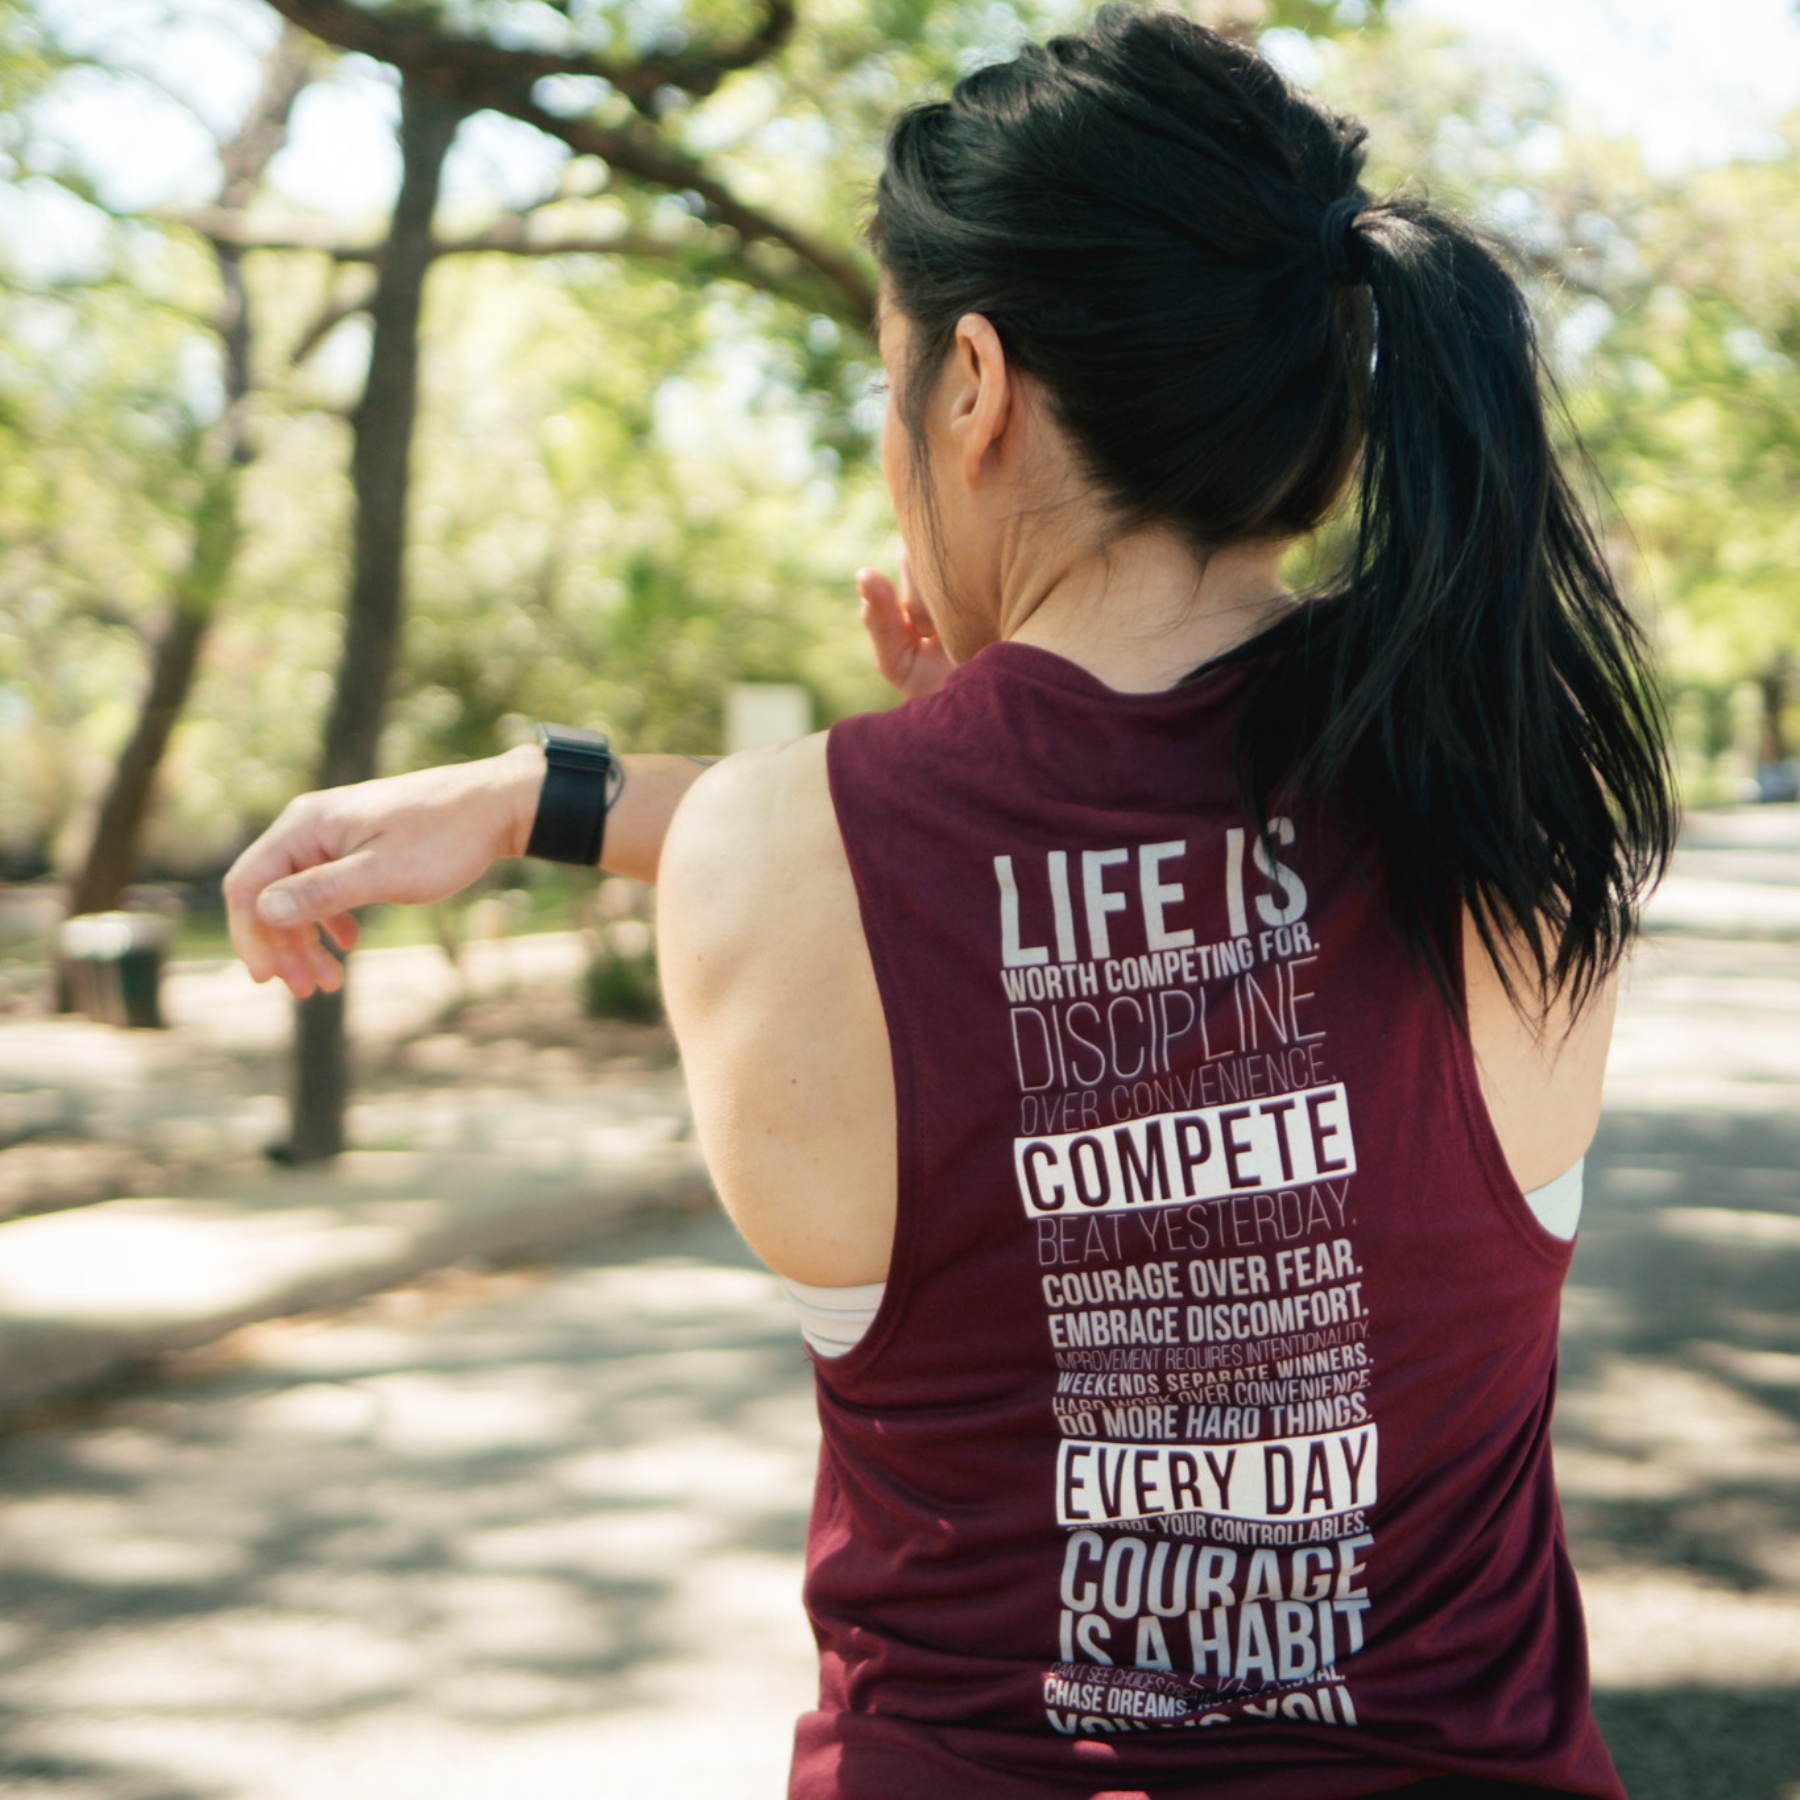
pixel 1159 1057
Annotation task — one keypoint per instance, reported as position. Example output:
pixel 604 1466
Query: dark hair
pixel 1174 244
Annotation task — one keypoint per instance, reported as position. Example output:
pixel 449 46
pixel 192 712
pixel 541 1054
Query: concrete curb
pixel 89 1293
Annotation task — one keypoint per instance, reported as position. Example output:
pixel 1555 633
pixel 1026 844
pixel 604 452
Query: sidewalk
pixel 1735 875
pixel 95 1290
pixel 467 1151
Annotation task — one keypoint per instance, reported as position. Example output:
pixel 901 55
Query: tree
pixel 381 459
pixel 444 77
pixel 1671 311
pixel 220 456
pixel 1692 406
pixel 839 78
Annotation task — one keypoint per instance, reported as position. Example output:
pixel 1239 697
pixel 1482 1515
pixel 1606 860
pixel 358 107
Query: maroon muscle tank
pixel 1201 1443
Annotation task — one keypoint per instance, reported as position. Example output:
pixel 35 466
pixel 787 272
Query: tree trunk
pixel 380 471
pixel 1774 682
pixel 111 855
pixel 112 850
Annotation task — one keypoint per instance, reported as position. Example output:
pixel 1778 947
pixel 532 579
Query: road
pixel 538 1533
pixel 1678 1428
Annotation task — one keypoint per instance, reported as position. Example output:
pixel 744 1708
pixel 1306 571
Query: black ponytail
pixel 1175 244
pixel 1478 681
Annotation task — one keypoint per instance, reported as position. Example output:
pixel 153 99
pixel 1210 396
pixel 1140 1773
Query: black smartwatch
pixel 582 779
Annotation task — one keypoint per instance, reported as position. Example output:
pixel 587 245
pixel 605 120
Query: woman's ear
pixel 981 395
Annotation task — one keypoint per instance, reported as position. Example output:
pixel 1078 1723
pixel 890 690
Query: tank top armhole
pixel 1509 1197
pixel 897 1290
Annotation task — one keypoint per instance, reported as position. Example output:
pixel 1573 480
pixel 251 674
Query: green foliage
pixel 623 506
pixel 102 431
pixel 1322 18
pixel 620 981
pixel 26 62
pixel 623 985
pixel 1671 310
pixel 1694 413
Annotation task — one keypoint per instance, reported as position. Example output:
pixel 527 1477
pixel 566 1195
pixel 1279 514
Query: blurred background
pixel 383 1406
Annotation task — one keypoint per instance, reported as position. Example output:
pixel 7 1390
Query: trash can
pixel 113 963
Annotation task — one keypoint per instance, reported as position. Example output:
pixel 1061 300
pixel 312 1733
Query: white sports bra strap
pixel 834 1319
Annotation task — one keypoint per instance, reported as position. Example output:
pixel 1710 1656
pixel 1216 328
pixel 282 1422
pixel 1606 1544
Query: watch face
pixel 573 747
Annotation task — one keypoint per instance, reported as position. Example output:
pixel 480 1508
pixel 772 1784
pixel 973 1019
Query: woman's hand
pixel 408 838
pixel 908 652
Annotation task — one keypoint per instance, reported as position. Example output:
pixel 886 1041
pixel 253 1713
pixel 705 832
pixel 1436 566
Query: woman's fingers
pixel 328 972
pixel 908 655
pixel 931 662
pixel 890 636
pixel 344 929
pixel 912 603
pixel 256 940
pixel 326 891
pixel 287 888
pixel 408 838
pixel 278 932
pixel 295 956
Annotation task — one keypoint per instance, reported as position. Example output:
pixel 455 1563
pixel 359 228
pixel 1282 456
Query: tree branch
pixel 234 230
pixel 637 152
pixel 422 47
pixel 505 237
pixel 245 158
pixel 574 181
pixel 345 301
pixel 66 292
pixel 486 76
pixel 510 236
pixel 244 161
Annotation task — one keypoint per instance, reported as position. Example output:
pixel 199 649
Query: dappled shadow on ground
pixel 1690 1743
pixel 1678 1450
pixel 522 1547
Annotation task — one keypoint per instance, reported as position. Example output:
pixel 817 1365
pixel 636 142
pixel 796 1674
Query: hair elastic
pixel 1340 245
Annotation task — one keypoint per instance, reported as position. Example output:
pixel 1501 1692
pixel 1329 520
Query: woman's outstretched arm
pixel 409 839
pixel 413 838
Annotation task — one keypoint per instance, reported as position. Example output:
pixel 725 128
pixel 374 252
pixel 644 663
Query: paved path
pixel 1736 874
pixel 531 1536
pixel 211 1087
pixel 478 1143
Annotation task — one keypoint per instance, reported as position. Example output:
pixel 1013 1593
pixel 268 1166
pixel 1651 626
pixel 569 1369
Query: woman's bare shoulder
pixel 1541 1068
pixel 740 847
pixel 773 999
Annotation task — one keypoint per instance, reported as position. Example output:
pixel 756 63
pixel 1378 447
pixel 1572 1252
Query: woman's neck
pixel 1147 611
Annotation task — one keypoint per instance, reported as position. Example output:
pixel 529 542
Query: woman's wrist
pixel 518 780
pixel 651 788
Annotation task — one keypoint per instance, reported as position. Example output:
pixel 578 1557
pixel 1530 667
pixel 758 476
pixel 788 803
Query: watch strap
pixel 581 781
